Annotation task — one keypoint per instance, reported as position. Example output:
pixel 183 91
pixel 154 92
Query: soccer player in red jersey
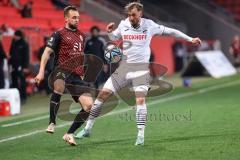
pixel 67 44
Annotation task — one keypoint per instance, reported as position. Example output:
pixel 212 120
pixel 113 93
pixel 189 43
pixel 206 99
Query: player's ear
pixel 66 18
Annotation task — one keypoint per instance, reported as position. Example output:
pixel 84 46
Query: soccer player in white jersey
pixel 138 31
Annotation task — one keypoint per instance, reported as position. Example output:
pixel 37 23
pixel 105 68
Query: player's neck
pixel 71 29
pixel 137 26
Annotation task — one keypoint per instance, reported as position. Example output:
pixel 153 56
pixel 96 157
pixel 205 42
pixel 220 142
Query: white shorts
pixel 136 76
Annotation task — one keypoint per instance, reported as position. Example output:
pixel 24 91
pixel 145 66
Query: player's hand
pixel 196 41
pixel 110 27
pixel 39 78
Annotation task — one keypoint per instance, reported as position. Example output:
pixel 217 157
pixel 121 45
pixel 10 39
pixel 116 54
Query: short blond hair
pixel 132 5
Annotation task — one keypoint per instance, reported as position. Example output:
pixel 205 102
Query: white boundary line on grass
pixel 149 103
pixel 184 95
pixel 59 126
pixel 25 121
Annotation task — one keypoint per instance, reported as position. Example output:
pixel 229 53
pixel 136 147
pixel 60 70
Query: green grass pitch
pixel 196 123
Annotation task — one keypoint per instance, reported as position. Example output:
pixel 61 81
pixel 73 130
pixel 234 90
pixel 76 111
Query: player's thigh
pixel 57 80
pixel 116 81
pixel 59 86
pixel 77 88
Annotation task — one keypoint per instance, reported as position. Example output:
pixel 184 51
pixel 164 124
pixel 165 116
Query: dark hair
pixel 94 28
pixel 69 8
pixel 132 5
pixel 19 33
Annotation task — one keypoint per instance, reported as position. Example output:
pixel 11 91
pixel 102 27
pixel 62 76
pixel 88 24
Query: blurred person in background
pixel 234 50
pixel 2 57
pixel 27 10
pixel 179 51
pixel 48 69
pixel 19 61
pixel 95 46
pixel 217 45
pixel 6 30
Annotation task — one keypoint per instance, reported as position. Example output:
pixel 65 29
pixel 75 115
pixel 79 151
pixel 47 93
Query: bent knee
pixel 59 86
pixel 140 101
pixel 104 94
pixel 87 107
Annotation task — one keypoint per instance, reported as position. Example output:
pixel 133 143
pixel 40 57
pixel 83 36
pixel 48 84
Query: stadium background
pixel 211 106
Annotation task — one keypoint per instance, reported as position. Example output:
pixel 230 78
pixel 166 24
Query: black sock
pixel 54 106
pixel 78 121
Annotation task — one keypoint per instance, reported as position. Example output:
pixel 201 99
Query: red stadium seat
pixel 55 24
pixel 28 23
pixel 9 11
pixel 49 14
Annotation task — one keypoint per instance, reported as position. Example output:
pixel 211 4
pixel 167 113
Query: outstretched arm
pixel 178 34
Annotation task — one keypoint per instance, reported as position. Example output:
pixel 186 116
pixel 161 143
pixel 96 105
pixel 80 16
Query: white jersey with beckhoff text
pixel 136 41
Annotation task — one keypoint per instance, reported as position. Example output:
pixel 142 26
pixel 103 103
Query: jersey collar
pixel 73 30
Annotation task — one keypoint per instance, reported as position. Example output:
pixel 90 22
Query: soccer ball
pixel 113 53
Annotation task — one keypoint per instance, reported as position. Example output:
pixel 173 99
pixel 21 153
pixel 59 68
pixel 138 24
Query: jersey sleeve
pixel 53 41
pixel 177 34
pixel 116 34
pixel 156 29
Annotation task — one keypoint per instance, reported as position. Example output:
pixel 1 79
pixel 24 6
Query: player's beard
pixel 135 24
pixel 71 26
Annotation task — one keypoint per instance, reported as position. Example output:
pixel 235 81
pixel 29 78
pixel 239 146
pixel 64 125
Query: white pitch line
pixel 24 121
pixel 150 103
pixel 59 126
pixel 31 133
pixel 30 120
pixel 216 87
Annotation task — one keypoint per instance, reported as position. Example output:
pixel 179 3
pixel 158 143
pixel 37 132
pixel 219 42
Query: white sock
pixel 141 117
pixel 94 113
pixel 89 124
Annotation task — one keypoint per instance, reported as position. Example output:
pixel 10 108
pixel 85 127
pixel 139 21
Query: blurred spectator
pixel 27 10
pixel 217 45
pixel 234 50
pixel 6 30
pixel 19 61
pixel 179 51
pixel 48 68
pixel 95 45
pixel 2 57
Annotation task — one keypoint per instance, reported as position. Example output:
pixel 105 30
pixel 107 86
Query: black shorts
pixel 74 83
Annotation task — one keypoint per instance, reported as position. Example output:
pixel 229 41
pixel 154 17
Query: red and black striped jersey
pixel 68 46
